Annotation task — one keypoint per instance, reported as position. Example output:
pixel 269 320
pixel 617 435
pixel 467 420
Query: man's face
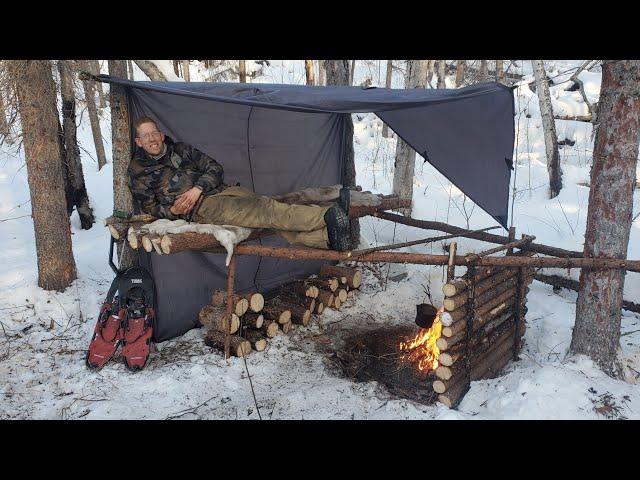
pixel 150 139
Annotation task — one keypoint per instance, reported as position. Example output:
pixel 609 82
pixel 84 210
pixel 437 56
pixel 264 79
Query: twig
pixel 189 410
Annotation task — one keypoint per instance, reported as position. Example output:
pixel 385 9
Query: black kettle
pixel 425 315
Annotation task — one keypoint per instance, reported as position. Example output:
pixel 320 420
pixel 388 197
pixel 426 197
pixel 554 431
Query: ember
pixel 422 349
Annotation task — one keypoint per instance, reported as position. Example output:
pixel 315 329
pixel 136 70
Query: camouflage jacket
pixel 155 184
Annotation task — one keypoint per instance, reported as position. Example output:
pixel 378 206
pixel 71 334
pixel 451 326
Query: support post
pixel 231 280
pixel 451 266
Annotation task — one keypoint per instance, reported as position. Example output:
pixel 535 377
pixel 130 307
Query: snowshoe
pixel 106 337
pixel 138 330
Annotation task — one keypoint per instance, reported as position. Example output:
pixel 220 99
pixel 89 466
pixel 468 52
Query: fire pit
pixel 375 355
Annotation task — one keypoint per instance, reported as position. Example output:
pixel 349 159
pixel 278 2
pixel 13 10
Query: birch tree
pixel 405 155
pixel 613 176
pixel 549 127
pixel 37 100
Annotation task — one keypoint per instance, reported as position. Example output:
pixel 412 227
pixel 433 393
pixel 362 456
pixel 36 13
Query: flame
pixel 422 349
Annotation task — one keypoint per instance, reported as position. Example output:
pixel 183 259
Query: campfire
pixel 422 349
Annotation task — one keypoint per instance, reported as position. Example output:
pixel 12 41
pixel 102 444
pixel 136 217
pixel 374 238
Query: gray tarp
pixel 281 138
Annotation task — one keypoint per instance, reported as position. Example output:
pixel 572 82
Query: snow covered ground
pixel 44 334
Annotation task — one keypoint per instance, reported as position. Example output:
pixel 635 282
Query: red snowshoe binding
pixel 138 330
pixel 106 337
pixel 128 318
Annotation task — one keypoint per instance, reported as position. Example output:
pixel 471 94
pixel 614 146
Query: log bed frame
pixel 484 319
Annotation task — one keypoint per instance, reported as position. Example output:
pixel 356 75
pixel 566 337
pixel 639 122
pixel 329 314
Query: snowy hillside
pixel 44 335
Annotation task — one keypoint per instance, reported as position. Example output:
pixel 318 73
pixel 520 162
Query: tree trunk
pixel 121 141
pixel 94 119
pixel 387 84
pixel 405 155
pixel 242 69
pixel 94 68
pixel 442 67
pixel 499 71
pixel 130 69
pixel 549 126
pixel 176 67
pixel 430 65
pixel 4 125
pixel 484 71
pixel 149 69
pixel 308 68
pixel 74 164
pixel 352 70
pixel 337 72
pixel 459 73
pixel 39 119
pixel 613 176
pixel 185 71
pixel 322 73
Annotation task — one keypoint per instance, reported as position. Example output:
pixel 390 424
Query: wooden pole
pixel 300 253
pixel 485 237
pixel 451 267
pixel 231 277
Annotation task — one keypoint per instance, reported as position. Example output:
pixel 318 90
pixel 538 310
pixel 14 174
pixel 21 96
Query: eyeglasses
pixel 147 136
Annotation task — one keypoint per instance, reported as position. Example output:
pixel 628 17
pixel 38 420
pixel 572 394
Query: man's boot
pixel 338 228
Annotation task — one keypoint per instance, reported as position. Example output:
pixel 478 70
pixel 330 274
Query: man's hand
pixel 186 201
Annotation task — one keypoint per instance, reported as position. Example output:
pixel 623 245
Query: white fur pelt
pixel 228 235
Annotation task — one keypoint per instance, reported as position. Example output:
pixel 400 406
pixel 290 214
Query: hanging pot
pixel 425 315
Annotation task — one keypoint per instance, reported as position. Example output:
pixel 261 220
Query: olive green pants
pixel 241 207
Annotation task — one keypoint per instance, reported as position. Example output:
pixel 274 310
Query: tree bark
pixel 430 66
pixel 459 73
pixel 352 70
pixel 441 68
pixel 39 119
pixel 121 141
pixel 308 68
pixel 613 176
pixel 149 69
pixel 4 125
pixel 322 73
pixel 549 126
pixel 242 70
pixel 499 71
pixel 94 67
pixel 74 164
pixel 387 84
pixel 239 346
pixel 130 70
pixel 484 71
pixel 94 119
pixel 337 72
pixel 185 71
pixel 405 155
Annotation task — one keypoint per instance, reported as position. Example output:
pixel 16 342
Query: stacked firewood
pixel 254 320
pixel 490 302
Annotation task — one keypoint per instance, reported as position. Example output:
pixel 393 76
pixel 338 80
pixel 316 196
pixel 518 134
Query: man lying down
pixel 176 181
